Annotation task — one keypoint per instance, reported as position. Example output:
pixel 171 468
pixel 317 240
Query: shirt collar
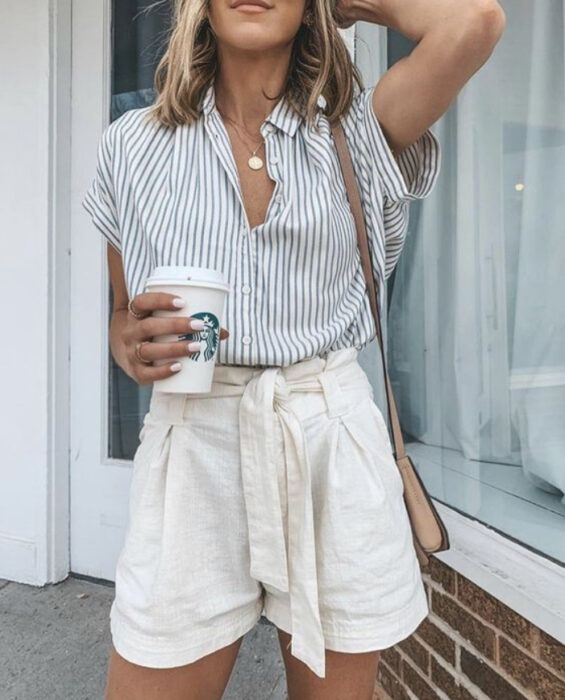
pixel 283 115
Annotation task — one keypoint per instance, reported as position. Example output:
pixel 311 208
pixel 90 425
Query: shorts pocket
pixel 389 462
pixel 368 426
pixel 148 482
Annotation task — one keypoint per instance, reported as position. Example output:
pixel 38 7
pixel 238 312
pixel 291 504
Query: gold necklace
pixel 254 162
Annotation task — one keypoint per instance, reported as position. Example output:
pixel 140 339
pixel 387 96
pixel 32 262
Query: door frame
pixel 48 560
pixel 93 476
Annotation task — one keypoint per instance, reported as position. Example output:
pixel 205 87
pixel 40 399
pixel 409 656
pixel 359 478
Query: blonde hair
pixel 320 64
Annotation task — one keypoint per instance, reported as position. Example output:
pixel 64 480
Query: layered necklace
pixel 254 162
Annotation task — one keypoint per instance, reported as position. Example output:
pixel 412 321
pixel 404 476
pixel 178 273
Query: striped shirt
pixel 173 197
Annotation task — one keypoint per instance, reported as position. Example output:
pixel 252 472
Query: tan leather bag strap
pixel 357 210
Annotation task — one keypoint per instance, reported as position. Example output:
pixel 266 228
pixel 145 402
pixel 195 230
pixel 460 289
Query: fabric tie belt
pixel 265 398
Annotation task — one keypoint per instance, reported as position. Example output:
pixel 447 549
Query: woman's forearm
pixel 453 39
pixel 416 18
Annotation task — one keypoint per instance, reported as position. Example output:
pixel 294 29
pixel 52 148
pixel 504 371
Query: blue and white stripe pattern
pixel 173 197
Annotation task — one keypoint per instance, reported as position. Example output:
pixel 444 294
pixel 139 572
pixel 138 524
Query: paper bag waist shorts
pixel 276 494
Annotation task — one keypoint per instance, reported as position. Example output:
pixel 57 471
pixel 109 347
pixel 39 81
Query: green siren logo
pixel 210 335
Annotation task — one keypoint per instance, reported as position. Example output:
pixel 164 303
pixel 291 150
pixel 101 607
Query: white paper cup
pixel 204 292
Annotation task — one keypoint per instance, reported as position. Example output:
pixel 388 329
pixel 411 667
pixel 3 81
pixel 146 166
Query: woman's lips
pixel 257 6
pixel 248 7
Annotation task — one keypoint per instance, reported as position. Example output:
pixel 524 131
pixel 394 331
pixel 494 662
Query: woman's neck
pixel 241 81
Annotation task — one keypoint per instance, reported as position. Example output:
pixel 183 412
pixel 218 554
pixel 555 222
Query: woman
pixel 277 493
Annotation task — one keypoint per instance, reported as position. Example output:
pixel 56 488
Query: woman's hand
pixel 344 14
pixel 347 12
pixel 135 331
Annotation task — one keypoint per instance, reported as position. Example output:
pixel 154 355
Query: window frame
pixel 527 582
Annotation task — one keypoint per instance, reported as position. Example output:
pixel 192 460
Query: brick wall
pixel 471 646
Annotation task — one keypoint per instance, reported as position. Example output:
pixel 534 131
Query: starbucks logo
pixel 210 335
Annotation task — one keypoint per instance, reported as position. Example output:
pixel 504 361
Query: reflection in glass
pixel 476 322
pixel 138 42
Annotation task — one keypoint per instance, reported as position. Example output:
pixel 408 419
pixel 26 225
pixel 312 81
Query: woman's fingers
pixel 146 302
pixel 152 326
pixel 143 330
pixel 163 351
pixel 150 351
pixel 147 374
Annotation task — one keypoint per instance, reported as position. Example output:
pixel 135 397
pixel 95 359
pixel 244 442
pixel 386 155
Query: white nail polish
pixel 195 346
pixel 178 302
pixel 176 367
pixel 196 324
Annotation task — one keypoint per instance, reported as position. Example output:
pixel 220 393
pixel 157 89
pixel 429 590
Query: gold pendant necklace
pixel 254 162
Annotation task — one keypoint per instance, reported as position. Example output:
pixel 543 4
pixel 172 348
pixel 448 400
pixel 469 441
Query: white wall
pixel 33 356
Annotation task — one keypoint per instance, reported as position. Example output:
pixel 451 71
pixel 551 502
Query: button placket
pixel 245 239
pixel 247 263
pixel 247 316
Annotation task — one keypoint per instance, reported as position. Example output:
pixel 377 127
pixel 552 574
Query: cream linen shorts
pixel 275 494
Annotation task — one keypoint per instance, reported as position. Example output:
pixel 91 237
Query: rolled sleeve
pixel 389 183
pixel 412 174
pixel 100 198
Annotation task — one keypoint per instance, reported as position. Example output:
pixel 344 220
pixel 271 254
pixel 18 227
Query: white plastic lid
pixel 186 274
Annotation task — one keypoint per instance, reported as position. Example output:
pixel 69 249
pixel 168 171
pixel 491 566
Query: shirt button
pixel 274 160
pixel 278 198
pixel 246 340
pixel 246 289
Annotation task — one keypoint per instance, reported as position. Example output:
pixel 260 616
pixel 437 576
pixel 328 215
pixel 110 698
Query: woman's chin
pixel 251 40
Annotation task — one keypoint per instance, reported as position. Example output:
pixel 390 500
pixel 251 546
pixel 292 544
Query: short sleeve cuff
pixel 414 172
pixel 101 214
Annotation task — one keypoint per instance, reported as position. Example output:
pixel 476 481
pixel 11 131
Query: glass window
pixel 138 42
pixel 476 319
pixel 140 29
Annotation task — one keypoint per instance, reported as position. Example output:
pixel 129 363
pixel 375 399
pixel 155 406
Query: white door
pixel 115 50
pixel 113 63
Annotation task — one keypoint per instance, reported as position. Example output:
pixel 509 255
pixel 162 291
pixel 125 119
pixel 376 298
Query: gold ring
pixel 132 310
pixel 138 354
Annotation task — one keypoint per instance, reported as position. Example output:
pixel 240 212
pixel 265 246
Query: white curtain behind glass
pixel 538 348
pixel 476 328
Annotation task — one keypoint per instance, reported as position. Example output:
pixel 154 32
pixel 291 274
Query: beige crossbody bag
pixel 429 532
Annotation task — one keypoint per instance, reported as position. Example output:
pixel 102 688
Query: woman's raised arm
pixel 454 39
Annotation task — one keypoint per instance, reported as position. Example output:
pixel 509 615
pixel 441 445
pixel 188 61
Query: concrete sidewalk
pixel 55 641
